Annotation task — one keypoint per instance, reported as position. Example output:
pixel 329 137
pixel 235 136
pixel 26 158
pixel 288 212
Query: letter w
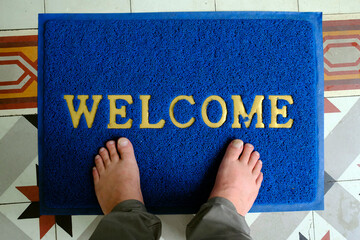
pixel 83 109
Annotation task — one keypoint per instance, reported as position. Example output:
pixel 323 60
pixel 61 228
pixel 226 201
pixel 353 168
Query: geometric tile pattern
pixel 18 74
pixel 46 222
pixel 329 107
pixel 340 106
pixel 21 189
pixel 305 230
pixel 341 41
pixel 19 217
pixel 27 227
pixel 343 212
pixel 324 230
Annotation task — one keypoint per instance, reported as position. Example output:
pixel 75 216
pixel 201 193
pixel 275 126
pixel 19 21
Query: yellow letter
pixel 122 111
pixel 190 99
pixel 239 109
pixel 83 109
pixel 145 114
pixel 275 111
pixel 204 111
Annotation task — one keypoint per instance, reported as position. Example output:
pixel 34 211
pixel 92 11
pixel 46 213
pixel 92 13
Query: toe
pixel 234 150
pixel 259 179
pixel 248 149
pixel 95 175
pixel 114 156
pixel 99 163
pixel 126 149
pixel 254 157
pixel 105 156
pixel 257 168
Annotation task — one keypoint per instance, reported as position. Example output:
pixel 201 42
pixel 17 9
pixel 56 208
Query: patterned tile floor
pixel 19 200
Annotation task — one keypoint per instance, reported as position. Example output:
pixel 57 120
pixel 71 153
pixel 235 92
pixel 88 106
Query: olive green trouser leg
pixel 129 220
pixel 216 219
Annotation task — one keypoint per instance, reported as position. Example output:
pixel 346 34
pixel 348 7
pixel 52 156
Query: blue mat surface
pixel 272 60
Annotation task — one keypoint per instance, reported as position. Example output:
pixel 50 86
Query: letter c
pixel 190 99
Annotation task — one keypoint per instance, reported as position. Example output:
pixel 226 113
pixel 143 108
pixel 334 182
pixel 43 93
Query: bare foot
pixel 116 178
pixel 239 180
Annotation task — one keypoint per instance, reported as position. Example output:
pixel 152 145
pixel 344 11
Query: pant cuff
pixel 130 205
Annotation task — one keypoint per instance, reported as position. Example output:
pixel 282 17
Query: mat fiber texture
pixel 181 86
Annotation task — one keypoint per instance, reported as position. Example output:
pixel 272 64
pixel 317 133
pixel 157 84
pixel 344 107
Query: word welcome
pixel 239 110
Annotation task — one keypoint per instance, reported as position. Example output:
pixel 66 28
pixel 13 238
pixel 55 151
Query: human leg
pixel 117 187
pixel 236 187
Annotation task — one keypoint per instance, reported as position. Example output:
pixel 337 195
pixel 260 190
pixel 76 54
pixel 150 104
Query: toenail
pixel 102 149
pixel 123 142
pixel 249 145
pixel 97 157
pixel 111 142
pixel 237 143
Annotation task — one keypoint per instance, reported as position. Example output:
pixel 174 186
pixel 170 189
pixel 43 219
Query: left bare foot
pixel 116 178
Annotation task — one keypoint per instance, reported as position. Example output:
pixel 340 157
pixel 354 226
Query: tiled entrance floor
pixel 19 200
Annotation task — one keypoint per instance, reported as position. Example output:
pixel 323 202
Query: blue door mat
pixel 181 86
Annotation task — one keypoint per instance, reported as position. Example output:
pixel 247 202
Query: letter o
pixel 204 111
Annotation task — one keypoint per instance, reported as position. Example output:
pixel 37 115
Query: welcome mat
pixel 181 86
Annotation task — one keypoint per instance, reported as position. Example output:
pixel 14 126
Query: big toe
pixel 125 149
pixel 234 150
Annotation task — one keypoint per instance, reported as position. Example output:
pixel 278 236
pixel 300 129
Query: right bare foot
pixel 116 178
pixel 239 179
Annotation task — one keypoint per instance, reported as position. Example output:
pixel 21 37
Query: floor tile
pixel 18 72
pixel 341 57
pixel 352 187
pixel 172 5
pixel 6 123
pixel 18 149
pixel 251 217
pixel 340 16
pixel 28 177
pixel 19 14
pixel 9 230
pixel 342 144
pixel 84 6
pixel 78 227
pixel 34 228
pixel 352 172
pixel 257 5
pixel 324 230
pixel 340 220
pixel 332 118
pixel 173 226
pixel 279 225
pixel 342 212
pixel 305 230
pixel 329 7
pixel 85 235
